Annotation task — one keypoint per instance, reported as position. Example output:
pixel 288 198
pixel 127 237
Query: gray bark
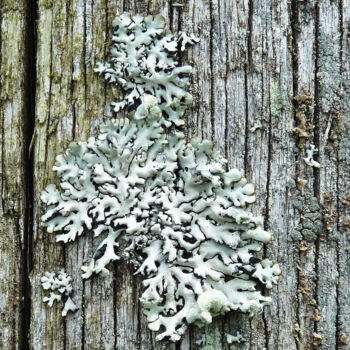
pixel 14 173
pixel 271 79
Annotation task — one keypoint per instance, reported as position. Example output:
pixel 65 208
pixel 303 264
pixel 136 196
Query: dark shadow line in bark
pixel 28 166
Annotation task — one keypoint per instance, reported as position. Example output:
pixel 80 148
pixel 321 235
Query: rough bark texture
pixel 271 79
pixel 15 110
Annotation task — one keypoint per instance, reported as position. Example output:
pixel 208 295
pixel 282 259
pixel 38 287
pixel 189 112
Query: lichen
pixel 304 108
pixel 238 338
pixel 144 60
pixel 166 205
pixel 309 159
pixel 310 224
pixel 277 102
pixel 60 290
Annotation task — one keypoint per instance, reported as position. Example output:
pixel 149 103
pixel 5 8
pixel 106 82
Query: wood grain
pixel 264 71
pixel 13 186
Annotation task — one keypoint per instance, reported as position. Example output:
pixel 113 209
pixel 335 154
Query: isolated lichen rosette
pixel 60 288
pixel 167 205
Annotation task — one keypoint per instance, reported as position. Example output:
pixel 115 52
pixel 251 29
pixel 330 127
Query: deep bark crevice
pixel 294 19
pixel 49 94
pixel 268 181
pixel 115 316
pixel 28 166
pixel 227 69
pixel 338 321
pixel 317 102
pixel 83 335
pixel 171 15
pixel 247 69
pixel 316 141
pixel 212 97
pixel 138 306
pixel 2 124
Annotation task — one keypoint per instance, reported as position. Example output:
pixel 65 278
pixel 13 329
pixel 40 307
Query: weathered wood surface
pixel 262 69
pixel 15 117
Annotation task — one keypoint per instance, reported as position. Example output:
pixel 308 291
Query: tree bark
pixel 271 78
pixel 15 171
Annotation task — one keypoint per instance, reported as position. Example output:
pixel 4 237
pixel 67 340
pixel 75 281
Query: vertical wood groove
pixel 317 106
pixel 15 170
pixel 338 187
pixel 294 19
pixel 212 98
pixel 30 90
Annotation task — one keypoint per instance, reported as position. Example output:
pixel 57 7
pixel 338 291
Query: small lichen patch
pixel 334 130
pixel 303 287
pixel 317 339
pixel 311 223
pixel 277 103
pixel 343 338
pixel 309 159
pixel 304 108
pixel 302 182
pixel 238 338
pixel 303 246
pixel 316 315
pixel 202 341
pixel 60 290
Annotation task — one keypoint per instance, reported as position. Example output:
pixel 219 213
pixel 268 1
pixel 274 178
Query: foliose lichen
pixel 60 290
pixel 309 159
pixel 144 60
pixel 238 338
pixel 167 205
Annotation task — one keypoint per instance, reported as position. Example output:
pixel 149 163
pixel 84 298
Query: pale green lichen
pixel 309 159
pixel 238 338
pixel 167 205
pixel 60 290
pixel 144 60
pixel 277 103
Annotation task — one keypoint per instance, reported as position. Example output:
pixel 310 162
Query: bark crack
pixel 247 69
pixel 212 97
pixel 28 166
pixel 294 19
pixel 338 321
pixel 227 68
pixel 317 103
pixel 268 180
pixel 317 143
pixel 49 93
pixel 2 124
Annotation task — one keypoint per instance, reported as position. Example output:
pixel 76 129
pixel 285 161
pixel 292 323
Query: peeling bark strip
pixel 262 69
